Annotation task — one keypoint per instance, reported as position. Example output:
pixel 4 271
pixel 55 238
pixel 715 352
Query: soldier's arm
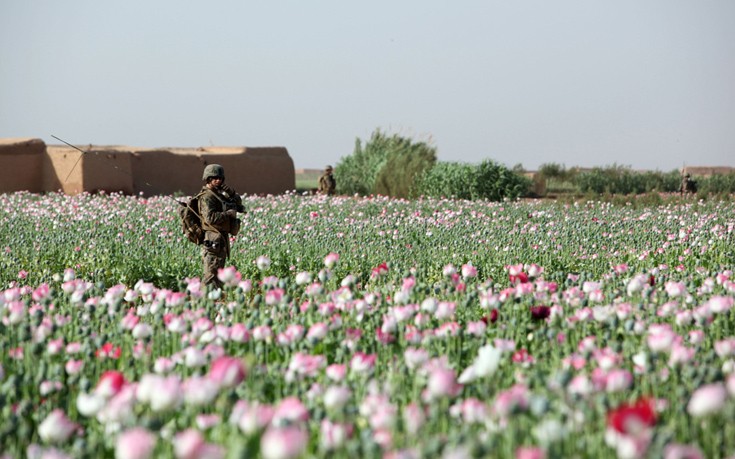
pixel 211 214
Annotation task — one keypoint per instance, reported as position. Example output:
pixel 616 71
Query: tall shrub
pixel 488 180
pixel 406 162
pixel 716 184
pixel 385 164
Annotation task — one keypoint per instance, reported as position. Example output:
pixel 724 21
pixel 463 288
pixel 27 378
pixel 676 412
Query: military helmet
pixel 213 170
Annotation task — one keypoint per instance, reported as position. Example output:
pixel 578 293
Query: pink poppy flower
pixel 618 380
pixel 680 355
pixel 227 371
pixel 725 348
pixel 632 419
pixel 199 390
pixel 442 383
pixel 523 357
pixel 254 417
pixel 73 367
pixel 511 401
pixel 317 332
pixel 55 346
pixel 108 350
pixel 413 418
pixel 207 421
pixel 660 338
pixel 675 289
pixel 470 410
pixel 730 383
pixel 720 304
pixel 678 451
pixel 447 329
pixel 336 372
pixel 56 428
pixel 16 313
pixel 445 310
pixel 305 365
pixel 110 383
pixel 239 333
pixel 707 399
pixel 162 393
pixel 587 345
pixel 283 443
pixel 580 385
pixel 334 435
pixel 188 444
pixel 262 333
pixel 530 452
pixel 469 271
pixel 696 336
pixel 606 358
pixel 229 276
pixel 476 328
pixel 379 271
pixel 331 260
pixel 290 409
pixel 336 397
pixel 135 443
pixel 362 363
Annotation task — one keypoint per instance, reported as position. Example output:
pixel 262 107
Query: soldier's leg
pixel 212 262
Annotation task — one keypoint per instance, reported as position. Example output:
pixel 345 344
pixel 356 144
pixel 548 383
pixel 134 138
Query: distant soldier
pixel 687 184
pixel 327 183
pixel 218 207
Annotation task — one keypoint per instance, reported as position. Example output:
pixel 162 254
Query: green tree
pixel 488 180
pixel 386 164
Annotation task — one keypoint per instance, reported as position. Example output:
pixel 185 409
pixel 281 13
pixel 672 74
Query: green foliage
pixel 552 171
pixel 716 184
pixel 488 180
pixel 618 179
pixel 405 164
pixel 384 165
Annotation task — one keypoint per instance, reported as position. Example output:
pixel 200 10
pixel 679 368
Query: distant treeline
pixel 623 180
pixel 397 166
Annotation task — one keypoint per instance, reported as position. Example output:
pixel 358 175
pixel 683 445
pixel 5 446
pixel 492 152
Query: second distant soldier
pixel 327 183
pixel 218 208
pixel 687 184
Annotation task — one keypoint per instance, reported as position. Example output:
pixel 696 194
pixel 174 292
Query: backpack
pixel 190 221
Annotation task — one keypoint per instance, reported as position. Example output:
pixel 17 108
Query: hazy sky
pixel 648 84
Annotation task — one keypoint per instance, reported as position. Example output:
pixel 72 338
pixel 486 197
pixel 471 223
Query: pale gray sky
pixel 649 84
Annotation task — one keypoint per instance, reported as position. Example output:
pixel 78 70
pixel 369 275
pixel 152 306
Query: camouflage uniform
pixel 687 185
pixel 218 226
pixel 327 183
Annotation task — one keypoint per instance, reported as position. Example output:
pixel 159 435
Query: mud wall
pixel 72 172
pixel 21 165
pixel 264 170
pixel 708 171
pixel 28 164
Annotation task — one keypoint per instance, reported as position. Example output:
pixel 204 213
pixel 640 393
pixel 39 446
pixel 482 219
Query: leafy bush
pixel 488 180
pixel 406 162
pixel 716 184
pixel 622 180
pixel 447 179
pixel 383 165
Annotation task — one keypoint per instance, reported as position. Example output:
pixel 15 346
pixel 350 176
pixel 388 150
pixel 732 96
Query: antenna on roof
pixel 77 162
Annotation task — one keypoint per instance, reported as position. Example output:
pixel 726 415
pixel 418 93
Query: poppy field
pixel 368 327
